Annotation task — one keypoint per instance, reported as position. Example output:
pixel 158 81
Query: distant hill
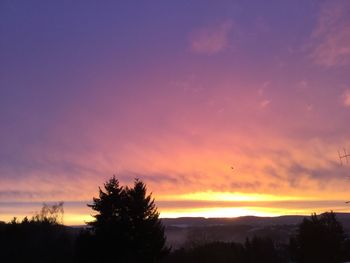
pixel 185 231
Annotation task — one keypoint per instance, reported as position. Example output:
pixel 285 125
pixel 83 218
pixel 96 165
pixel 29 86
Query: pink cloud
pixel 265 103
pixel 332 35
pixel 346 98
pixel 211 40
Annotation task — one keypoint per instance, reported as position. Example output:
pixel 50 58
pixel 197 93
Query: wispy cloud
pixel 29 195
pixel 331 36
pixel 346 98
pixel 265 103
pixel 211 40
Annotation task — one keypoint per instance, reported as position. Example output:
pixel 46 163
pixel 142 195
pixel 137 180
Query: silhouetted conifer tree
pixel 108 205
pixel 147 231
pixel 109 227
pixel 319 239
pixel 126 226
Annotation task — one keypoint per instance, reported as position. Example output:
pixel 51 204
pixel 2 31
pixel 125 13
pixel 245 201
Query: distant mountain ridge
pixel 184 230
pixel 344 218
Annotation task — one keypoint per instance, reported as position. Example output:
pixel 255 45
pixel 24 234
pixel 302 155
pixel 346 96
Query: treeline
pixel 262 250
pixel 31 241
pixel 127 229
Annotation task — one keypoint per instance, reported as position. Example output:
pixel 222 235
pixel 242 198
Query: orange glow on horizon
pixel 230 196
pixel 229 212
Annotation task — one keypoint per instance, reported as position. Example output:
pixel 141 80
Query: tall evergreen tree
pixel 127 227
pixel 109 205
pixel 108 228
pixel 319 239
pixel 148 240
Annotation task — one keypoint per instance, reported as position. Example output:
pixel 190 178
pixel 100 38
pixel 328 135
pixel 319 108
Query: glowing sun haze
pixel 223 108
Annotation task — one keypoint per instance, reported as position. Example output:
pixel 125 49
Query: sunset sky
pixel 223 108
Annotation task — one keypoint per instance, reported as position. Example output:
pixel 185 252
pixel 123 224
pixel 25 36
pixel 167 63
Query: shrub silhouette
pixel 51 214
pixel 126 224
pixel 219 252
pixel 255 250
pixel 39 239
pixel 319 239
pixel 261 250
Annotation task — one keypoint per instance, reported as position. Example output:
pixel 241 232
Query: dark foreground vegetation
pixel 127 229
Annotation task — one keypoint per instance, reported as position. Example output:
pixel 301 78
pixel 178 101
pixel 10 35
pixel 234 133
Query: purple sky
pixel 175 93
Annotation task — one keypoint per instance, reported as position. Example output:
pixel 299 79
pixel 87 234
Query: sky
pixel 223 108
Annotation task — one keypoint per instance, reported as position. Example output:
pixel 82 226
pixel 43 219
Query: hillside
pixel 196 230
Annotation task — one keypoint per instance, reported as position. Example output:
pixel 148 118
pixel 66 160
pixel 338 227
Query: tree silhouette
pixel 262 250
pixel 319 239
pixel 147 231
pixel 252 251
pixel 108 228
pixel 51 214
pixel 108 206
pixel 127 223
pixel 41 239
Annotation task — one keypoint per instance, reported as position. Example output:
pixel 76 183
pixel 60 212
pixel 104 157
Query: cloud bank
pixel 332 35
pixel 211 40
